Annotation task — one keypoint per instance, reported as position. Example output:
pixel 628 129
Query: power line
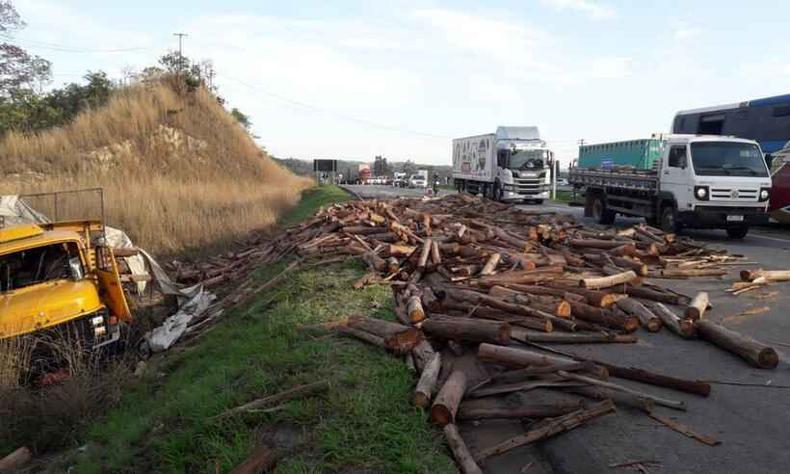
pixel 71 49
pixel 336 114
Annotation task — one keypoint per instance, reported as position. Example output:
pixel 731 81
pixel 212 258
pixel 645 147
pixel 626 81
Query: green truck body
pixel 641 154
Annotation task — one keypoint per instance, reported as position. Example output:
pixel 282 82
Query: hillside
pixel 177 170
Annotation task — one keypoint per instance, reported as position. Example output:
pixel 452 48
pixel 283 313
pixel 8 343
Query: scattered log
pixel 669 403
pixel 551 427
pixel 608 281
pixel 414 308
pixel 653 295
pixel 604 317
pixel 754 352
pixel 697 307
pixel 682 327
pixel 649 321
pixel 490 266
pixel 488 391
pixel 686 430
pixel 575 338
pixel 397 337
pixel 467 411
pixel 467 329
pixel 765 275
pixel 364 336
pixel 295 392
pixel 262 459
pixel 423 352
pixel 426 252
pixel 18 458
pixel 449 397
pixel 461 453
pixel 681 273
pixel 427 383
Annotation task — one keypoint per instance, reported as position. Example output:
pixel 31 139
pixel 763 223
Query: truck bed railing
pixel 619 178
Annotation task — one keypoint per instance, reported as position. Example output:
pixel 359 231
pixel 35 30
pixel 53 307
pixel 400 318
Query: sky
pixel 355 79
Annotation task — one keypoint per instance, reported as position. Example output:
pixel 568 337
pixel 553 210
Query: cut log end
pixel 440 415
pixel 768 358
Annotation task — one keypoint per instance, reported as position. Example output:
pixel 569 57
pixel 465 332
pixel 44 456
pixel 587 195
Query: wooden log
pixel 604 317
pixel 766 275
pixel 608 281
pixel 681 273
pixel 295 392
pixel 393 265
pixel 427 383
pixel 467 329
pixel 375 262
pixel 401 250
pixel 669 403
pixel 18 458
pixel 575 338
pixel 686 430
pixel 262 459
pixel 460 452
pixel 469 411
pixel 397 337
pixel 620 398
pixel 682 327
pixel 754 352
pixel 551 427
pixel 436 254
pixel 426 252
pixel 548 304
pixel 429 299
pixel 537 275
pixel 538 324
pixel 697 306
pixel 621 262
pixel 449 397
pixel 415 309
pixel 364 336
pixel 511 356
pixel 362 230
pixel 649 321
pixel 653 295
pixel 595 243
pixel 490 266
pixel 522 386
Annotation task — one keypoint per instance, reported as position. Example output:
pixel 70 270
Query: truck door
pixel 110 283
pixel 675 175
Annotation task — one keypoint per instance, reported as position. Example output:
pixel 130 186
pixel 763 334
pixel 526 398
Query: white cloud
pixel 610 67
pixel 592 8
pixel 685 31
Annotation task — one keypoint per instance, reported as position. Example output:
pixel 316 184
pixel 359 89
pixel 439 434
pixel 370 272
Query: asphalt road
pixel 752 422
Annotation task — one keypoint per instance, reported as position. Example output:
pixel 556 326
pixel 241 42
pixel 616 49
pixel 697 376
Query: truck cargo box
pixel 640 154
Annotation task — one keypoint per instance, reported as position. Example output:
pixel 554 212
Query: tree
pixel 242 118
pixel 18 68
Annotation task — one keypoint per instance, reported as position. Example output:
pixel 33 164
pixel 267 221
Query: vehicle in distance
pixel 767 121
pixel 399 180
pixel 419 180
pixel 676 181
pixel 513 164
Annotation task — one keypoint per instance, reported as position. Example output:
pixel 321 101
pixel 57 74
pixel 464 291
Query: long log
pixel 449 397
pixel 397 337
pixel 426 252
pixel 461 453
pixel 467 329
pixel 754 352
pixel 653 295
pixel 603 317
pixel 468 411
pixel 608 281
pixel 686 273
pixel 682 327
pixel 415 309
pixel 550 428
pixel 575 338
pixel 595 243
pixel 603 299
pixel 290 394
pixel 423 352
pixel 766 275
pixel 514 357
pixel 669 403
pixel 697 306
pixel 427 383
pixel 490 266
pixel 364 336
pixel 649 321
pixel 538 324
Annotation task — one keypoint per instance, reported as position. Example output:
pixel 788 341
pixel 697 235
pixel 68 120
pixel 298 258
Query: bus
pixel 767 121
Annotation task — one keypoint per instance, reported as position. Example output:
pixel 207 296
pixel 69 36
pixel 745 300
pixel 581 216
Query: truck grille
pixel 529 185
pixel 730 194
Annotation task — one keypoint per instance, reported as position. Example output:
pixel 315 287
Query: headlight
pixel 765 193
pixel 701 192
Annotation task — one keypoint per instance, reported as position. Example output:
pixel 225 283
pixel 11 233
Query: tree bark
pixel 697 307
pixel 427 383
pixel 449 397
pixel 461 453
pixel 397 337
pixel 649 321
pixel 469 412
pixel 596 283
pixel 675 404
pixel 754 352
pixel 648 294
pixel 603 317
pixel 565 338
pixel 467 329
pixel 768 275
pixel 423 352
pixel 682 327
pixel 490 266
pixel 513 357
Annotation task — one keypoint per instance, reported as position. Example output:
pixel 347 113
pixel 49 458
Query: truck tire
pixel 669 219
pixel 600 213
pixel 737 232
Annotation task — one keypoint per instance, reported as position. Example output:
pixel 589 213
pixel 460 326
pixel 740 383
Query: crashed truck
pixel 60 279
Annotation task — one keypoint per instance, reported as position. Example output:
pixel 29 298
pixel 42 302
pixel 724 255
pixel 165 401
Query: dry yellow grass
pixel 177 170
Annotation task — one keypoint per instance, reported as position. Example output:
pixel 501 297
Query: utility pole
pixel 180 50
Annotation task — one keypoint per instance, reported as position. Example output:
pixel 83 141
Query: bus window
pixel 711 124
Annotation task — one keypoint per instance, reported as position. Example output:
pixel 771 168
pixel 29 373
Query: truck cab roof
pixel 688 138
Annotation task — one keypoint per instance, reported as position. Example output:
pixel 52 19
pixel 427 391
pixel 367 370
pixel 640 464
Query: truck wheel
pixel 669 219
pixel 600 213
pixel 737 232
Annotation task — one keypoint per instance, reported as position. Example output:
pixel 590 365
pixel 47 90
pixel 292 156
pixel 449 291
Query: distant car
pixel 563 182
pixel 418 181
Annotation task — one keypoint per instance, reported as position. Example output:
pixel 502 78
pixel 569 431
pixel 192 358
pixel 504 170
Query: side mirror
pixel 75 269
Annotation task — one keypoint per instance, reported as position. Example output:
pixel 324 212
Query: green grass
pixel 312 200
pixel 365 421
pixel 564 196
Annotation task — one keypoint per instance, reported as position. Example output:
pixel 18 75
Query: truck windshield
pixel 36 265
pixel 527 159
pixel 727 159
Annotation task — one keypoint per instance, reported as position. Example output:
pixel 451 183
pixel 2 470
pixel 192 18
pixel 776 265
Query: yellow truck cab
pixel 53 278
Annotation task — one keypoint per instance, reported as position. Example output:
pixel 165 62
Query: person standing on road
pixel 436 184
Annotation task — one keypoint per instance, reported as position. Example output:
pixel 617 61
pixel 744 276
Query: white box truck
pixel 513 164
pixel 676 181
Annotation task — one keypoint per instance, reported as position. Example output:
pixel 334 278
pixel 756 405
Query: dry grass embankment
pixel 178 171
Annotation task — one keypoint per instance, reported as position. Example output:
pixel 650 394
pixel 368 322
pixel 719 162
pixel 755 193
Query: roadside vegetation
pixel 165 421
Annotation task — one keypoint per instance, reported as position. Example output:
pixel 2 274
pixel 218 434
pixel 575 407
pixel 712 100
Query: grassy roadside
pixel 365 421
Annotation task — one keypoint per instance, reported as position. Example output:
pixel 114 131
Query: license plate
pixel 734 218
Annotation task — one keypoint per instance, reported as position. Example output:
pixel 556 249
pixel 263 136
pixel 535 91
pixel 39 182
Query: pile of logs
pixel 485 291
